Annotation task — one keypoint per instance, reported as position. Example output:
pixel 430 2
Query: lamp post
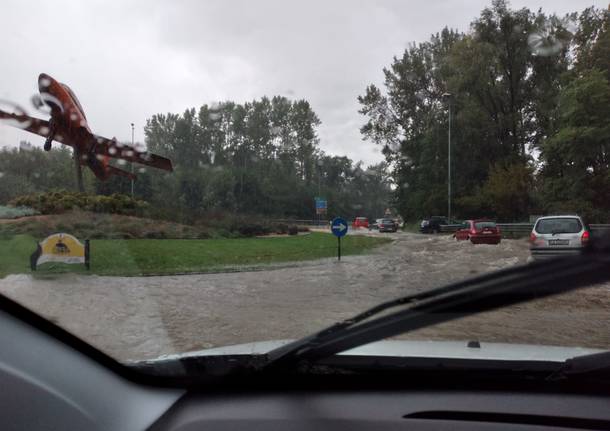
pixel 448 96
pixel 132 145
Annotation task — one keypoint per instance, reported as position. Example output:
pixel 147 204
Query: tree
pixel 504 76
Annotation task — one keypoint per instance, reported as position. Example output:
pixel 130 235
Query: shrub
pixel 11 212
pixel 57 202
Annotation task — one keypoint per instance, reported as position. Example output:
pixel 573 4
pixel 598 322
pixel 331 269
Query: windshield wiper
pixel 596 365
pixel 483 293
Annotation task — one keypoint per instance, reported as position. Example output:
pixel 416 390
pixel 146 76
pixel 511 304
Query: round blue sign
pixel 339 227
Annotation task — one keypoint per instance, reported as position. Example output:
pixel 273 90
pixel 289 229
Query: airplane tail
pixel 111 170
pixel 103 171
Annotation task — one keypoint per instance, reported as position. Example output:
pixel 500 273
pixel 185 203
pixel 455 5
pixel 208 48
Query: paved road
pixel 144 317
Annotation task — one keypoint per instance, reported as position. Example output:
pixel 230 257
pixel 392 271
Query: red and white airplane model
pixel 68 125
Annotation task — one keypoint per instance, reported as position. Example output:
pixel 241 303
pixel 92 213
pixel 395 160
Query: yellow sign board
pixel 60 247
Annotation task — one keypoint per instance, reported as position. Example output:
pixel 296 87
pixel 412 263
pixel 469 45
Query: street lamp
pixel 448 96
pixel 132 146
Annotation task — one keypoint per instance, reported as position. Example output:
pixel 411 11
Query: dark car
pixel 432 224
pixel 479 232
pixel 387 225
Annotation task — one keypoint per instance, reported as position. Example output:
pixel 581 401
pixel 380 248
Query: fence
pixel 518 230
pixel 314 222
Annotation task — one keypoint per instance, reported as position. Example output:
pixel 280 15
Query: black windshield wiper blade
pixel 483 293
pixel 595 365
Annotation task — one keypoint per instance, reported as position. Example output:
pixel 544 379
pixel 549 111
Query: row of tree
pixel 260 157
pixel 529 96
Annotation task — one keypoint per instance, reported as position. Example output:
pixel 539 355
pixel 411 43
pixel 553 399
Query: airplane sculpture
pixel 68 125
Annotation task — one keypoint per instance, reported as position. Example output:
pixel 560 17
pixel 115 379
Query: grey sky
pixel 127 60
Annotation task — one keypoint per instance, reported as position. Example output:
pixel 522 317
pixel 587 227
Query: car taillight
pixel 532 238
pixel 584 239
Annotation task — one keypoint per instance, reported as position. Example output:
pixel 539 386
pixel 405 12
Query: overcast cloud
pixel 129 60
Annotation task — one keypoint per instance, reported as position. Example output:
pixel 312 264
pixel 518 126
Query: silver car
pixel 555 236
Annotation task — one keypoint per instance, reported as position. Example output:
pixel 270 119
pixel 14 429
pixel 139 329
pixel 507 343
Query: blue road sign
pixel 339 227
pixel 320 203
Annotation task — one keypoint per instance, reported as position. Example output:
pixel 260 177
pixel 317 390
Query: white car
pixel 555 236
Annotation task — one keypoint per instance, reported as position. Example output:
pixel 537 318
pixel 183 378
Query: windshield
pixel 558 225
pixel 255 171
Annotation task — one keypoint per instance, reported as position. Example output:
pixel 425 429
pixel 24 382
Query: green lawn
pixel 169 256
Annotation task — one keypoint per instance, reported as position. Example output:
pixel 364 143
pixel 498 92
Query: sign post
pixel 321 206
pixel 339 229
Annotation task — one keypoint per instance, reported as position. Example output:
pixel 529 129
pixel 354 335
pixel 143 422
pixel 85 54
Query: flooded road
pixel 143 317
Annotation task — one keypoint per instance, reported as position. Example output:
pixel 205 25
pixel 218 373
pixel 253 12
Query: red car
pixel 360 222
pixel 479 232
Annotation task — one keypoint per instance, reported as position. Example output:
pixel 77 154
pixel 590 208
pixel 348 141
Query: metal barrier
pixel 517 230
pixel 303 222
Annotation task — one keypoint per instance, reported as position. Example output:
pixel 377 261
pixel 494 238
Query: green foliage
pixel 57 202
pixel 516 91
pixel 260 157
pixel 576 173
pixel 12 212
pixel 505 195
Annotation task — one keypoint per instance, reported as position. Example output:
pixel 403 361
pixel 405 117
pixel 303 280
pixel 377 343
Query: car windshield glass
pixel 177 177
pixel 558 225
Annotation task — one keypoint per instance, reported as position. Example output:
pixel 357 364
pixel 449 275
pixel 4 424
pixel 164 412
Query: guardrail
pixel 516 230
pixel 303 222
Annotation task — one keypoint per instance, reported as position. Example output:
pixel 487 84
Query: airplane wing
pixel 117 150
pixel 29 124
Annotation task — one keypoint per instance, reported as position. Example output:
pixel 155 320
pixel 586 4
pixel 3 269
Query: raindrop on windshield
pixel 142 170
pixel 49 99
pixel 112 150
pixel 44 130
pixel 45 82
pixel 73 116
pixel 544 43
pixel 1 174
pixel 394 146
pixel 122 162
